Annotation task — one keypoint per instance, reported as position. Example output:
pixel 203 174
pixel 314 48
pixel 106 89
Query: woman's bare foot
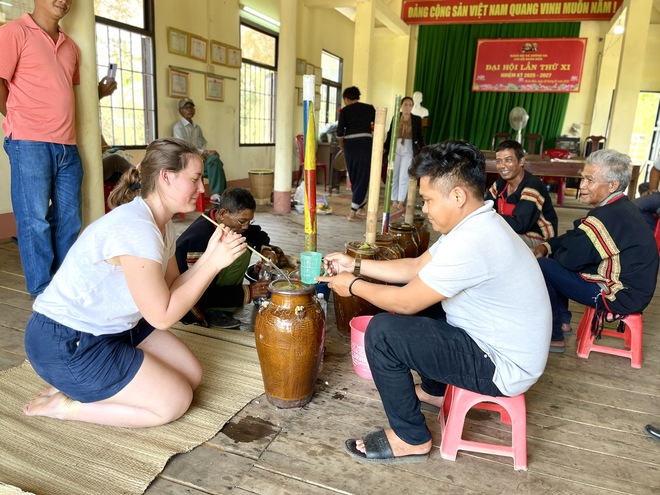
pixel 398 446
pixel 434 400
pixel 51 403
pixel 361 213
pixel 352 217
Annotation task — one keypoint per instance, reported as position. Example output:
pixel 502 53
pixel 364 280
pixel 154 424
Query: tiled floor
pixel 585 417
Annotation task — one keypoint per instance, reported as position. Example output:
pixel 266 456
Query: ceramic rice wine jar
pixel 405 235
pixel 388 247
pixel 346 308
pixel 289 331
pixel 423 233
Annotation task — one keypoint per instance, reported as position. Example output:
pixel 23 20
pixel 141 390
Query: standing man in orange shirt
pixel 38 68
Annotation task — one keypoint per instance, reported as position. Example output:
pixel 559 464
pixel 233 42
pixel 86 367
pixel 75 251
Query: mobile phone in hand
pixel 112 71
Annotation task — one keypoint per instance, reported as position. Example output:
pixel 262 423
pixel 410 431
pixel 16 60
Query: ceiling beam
pixel 384 14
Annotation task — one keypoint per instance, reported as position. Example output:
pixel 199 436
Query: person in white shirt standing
pixel 192 134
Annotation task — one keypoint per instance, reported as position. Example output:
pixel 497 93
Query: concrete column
pixel 285 97
pixel 628 86
pixel 365 15
pixel 79 24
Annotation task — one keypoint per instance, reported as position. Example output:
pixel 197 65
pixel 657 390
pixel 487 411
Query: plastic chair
pixel 529 143
pixel 632 337
pixel 498 138
pixel 301 168
pixel 452 418
pixel 558 154
pixel 593 143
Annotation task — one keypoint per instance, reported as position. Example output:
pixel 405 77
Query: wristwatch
pixel 358 265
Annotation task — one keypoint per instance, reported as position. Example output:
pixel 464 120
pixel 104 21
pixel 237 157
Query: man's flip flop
pixel 379 450
pixel 653 432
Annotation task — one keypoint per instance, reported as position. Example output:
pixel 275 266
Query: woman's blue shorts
pixel 85 367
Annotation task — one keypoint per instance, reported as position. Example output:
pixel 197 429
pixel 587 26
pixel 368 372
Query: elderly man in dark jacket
pixel 609 260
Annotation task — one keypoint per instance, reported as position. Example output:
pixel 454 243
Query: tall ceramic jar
pixel 423 233
pixel 388 247
pixel 405 236
pixel 346 308
pixel 289 331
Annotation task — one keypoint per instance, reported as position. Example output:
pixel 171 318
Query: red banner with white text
pixel 529 65
pixel 495 11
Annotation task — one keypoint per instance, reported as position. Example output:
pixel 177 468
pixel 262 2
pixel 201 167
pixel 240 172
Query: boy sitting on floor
pixel 226 293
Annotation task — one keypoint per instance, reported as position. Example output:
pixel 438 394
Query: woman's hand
pixel 225 247
pixel 337 263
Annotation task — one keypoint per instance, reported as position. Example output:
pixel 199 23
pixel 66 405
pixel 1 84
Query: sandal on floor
pixel 379 450
pixel 559 349
pixel 567 332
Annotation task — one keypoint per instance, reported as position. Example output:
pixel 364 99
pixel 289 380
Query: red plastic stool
pixel 452 418
pixel 632 337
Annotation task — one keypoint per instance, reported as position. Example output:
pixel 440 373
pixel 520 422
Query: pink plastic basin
pixel 360 364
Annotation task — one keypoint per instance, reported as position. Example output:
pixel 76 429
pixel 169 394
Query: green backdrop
pixel 445 66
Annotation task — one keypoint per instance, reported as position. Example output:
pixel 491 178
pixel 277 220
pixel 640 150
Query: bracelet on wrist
pixel 357 267
pixel 350 286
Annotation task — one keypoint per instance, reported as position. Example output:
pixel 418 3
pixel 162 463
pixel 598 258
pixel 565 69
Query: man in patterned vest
pixel 609 260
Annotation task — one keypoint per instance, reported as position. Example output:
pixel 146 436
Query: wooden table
pixel 561 169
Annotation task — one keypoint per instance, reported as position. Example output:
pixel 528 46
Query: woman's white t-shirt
pixel 89 294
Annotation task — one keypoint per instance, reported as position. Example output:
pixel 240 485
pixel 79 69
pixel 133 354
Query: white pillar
pixel 365 15
pixel 628 85
pixel 285 98
pixel 79 24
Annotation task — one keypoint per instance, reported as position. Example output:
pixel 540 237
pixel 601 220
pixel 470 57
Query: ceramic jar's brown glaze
pixel 289 331
pixel 405 236
pixel 387 247
pixel 346 308
pixel 423 233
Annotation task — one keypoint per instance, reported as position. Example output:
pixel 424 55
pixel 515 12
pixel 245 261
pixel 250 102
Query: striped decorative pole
pixel 391 157
pixel 309 142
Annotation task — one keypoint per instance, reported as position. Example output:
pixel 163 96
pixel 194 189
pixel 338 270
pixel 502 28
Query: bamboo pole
pixel 391 157
pixel 309 142
pixel 410 202
pixel 374 177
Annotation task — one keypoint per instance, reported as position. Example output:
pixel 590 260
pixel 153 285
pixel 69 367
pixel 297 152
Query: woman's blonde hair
pixel 162 154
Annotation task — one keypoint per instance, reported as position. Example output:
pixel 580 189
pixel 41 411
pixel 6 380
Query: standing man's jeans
pixel 45 192
pixel 564 284
pixel 440 353
pixel 648 205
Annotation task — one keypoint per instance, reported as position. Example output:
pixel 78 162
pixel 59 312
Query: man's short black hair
pixel 454 163
pixel 512 145
pixel 236 199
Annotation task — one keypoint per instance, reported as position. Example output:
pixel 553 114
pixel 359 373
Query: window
pixel 124 36
pixel 330 88
pixel 257 87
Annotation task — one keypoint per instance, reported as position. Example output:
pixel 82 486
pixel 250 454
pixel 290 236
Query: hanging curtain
pixel 445 66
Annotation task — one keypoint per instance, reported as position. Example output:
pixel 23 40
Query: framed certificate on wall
pixel 178 83
pixel 177 41
pixel 218 53
pixel 234 57
pixel 214 88
pixel 198 48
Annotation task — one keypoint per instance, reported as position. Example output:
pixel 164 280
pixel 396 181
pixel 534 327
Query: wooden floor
pixel 585 417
